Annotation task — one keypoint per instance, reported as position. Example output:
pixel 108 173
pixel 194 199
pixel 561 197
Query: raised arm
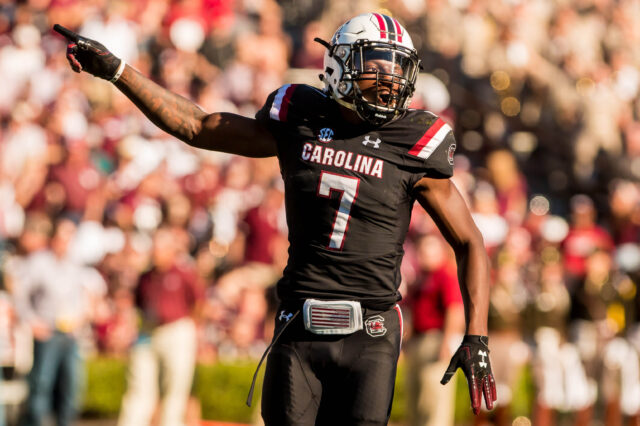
pixel 442 200
pixel 178 116
pixel 172 113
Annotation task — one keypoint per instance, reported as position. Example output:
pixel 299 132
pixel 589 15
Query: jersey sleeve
pixel 276 112
pixel 435 149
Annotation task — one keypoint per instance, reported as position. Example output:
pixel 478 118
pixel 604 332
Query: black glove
pixel 473 357
pixel 89 55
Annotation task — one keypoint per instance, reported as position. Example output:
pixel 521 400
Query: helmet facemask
pixel 378 78
pixel 371 67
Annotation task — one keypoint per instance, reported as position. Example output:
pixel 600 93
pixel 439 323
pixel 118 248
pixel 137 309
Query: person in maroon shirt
pixel 437 327
pixel 167 296
pixel 78 176
pixel 171 289
pixel 263 225
pixel 584 238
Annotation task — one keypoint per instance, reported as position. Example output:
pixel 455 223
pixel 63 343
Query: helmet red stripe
pixel 382 25
pixel 391 31
pixel 398 30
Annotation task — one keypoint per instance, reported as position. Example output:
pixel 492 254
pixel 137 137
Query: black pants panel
pixel 333 380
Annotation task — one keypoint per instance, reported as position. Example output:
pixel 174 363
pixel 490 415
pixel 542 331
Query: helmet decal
pixel 398 30
pixel 389 26
pixel 381 25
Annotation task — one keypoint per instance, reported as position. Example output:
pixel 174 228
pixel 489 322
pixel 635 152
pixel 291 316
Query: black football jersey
pixel 348 193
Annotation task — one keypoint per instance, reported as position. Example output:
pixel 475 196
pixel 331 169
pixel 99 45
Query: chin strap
pixel 323 42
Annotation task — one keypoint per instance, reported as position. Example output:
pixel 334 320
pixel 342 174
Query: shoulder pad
pixel 281 101
pixel 436 132
pixel 430 143
pixel 292 100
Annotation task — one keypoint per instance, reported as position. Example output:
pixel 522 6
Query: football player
pixel 354 159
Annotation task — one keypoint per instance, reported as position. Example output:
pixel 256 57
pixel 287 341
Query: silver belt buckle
pixel 332 316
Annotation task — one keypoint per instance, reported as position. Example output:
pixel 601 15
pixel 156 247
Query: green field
pixel 222 390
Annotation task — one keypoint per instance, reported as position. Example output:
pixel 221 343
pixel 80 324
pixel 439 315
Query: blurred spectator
pixel 558 372
pixel 437 323
pixel 168 295
pixel 625 211
pixel 312 53
pixel 585 236
pixel 118 331
pixel 297 16
pixel 592 323
pixel 114 24
pixel 485 212
pixel 235 312
pixel 508 301
pixel 57 298
pixel 77 176
pixel 7 320
pixel 510 184
pixel 621 382
pixel 266 228
pixel 562 383
pixel 603 310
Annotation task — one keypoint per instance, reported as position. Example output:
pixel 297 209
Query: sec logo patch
pixel 326 135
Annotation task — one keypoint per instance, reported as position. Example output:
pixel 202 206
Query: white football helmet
pixel 371 38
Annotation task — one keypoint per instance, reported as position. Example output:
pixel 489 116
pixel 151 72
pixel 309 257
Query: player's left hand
pixel 473 357
pixel 88 55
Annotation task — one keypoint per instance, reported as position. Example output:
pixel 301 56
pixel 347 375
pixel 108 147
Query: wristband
pixel 474 338
pixel 118 73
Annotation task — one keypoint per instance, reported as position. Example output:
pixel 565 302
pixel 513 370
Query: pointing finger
pixel 67 33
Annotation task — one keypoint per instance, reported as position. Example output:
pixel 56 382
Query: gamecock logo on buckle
pixel 375 326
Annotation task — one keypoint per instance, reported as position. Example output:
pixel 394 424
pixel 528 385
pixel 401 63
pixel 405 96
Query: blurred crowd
pixel 544 97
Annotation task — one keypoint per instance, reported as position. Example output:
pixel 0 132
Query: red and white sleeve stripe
pixel 280 105
pixel 432 138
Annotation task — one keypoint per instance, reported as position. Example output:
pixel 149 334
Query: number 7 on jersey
pixel 348 186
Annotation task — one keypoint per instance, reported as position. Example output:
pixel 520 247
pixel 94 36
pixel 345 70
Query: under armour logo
pixel 285 316
pixel 326 135
pixel 482 363
pixel 366 141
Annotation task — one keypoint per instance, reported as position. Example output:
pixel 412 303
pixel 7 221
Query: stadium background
pixel 544 99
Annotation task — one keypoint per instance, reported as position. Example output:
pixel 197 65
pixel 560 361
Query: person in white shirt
pixel 54 295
